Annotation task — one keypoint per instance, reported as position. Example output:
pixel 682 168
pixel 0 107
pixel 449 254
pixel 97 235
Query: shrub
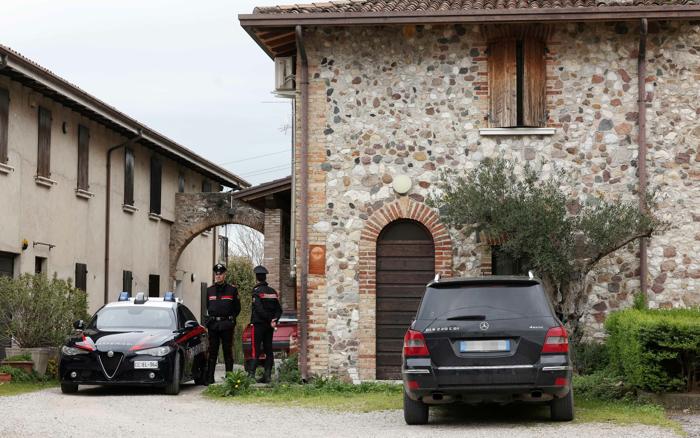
pixel 590 357
pixel 656 350
pixel 39 312
pixel 19 375
pixel 289 370
pixel 235 383
pixel 19 358
pixel 602 385
pixel 240 274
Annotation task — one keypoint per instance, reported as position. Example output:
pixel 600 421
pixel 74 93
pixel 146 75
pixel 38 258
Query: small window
pixel 181 182
pixel 505 264
pixel 223 250
pixel 206 186
pixel 7 264
pixel 83 156
pixel 128 176
pixel 40 265
pixel 81 276
pixel 156 179
pixel 127 281
pixel 154 285
pixel 4 123
pixel 44 151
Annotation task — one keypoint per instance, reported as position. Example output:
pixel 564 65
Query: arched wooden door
pixel 405 263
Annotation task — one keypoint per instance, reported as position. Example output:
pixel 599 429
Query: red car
pixel 284 340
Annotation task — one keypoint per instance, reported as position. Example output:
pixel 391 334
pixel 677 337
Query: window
pixel 223 250
pixel 156 172
pixel 4 123
pixel 83 155
pixel 154 285
pixel 185 314
pixel 128 176
pixel 7 264
pixel 44 152
pixel 517 77
pixel 505 264
pixel 181 183
pixel 81 276
pixel 40 265
pixel 206 186
pixel 127 281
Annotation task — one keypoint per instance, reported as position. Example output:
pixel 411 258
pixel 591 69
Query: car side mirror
pixel 79 325
pixel 191 324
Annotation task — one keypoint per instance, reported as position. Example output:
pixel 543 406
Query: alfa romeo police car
pixel 136 341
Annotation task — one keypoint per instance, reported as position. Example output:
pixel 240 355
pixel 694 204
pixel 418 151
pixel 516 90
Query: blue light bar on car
pixel 169 296
pixel 124 296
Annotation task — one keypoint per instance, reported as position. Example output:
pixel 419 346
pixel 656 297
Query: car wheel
pixel 414 412
pixel 562 409
pixel 173 388
pixel 69 388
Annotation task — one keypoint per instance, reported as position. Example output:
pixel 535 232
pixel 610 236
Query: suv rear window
pixel 484 302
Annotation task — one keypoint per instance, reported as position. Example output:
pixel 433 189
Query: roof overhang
pixel 22 70
pixel 265 28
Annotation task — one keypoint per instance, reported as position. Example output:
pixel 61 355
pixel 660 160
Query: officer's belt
pixel 221 318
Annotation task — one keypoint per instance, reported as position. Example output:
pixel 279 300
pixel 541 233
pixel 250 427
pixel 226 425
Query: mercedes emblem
pixel 484 325
pixel 110 353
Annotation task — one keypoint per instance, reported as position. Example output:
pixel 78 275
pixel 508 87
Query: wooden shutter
pixel 83 156
pixel 534 83
pixel 503 109
pixel 156 171
pixel 126 281
pixel 128 176
pixel 81 276
pixel 4 123
pixel 44 155
pixel 154 285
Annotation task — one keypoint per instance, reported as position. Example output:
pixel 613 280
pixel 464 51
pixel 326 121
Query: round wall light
pixel 402 184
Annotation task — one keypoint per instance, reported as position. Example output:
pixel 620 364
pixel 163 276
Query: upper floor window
pixel 206 185
pixel 83 157
pixel 4 123
pixel 128 176
pixel 181 182
pixel 43 167
pixel 156 177
pixel 517 77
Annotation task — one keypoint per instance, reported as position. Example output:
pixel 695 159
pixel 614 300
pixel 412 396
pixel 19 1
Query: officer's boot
pixel 252 367
pixel 266 375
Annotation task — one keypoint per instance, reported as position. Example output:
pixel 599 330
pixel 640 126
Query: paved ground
pixel 121 412
pixel 690 420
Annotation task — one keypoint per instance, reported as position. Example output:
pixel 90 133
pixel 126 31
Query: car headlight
pixel 71 351
pixel 158 351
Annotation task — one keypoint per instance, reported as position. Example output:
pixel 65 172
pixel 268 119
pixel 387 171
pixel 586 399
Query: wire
pixel 254 157
pixel 265 170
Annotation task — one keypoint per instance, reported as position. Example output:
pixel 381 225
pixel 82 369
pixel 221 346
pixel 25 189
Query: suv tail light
pixel 414 344
pixel 556 341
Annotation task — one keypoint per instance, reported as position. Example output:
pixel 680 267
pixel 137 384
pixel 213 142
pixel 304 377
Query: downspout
pixel 304 204
pixel 642 154
pixel 138 137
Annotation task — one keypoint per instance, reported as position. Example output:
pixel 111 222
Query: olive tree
pixel 529 215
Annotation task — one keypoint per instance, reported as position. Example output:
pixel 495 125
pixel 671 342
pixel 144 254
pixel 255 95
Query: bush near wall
pixel 655 350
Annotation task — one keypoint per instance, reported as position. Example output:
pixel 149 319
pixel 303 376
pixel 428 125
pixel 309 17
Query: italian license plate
pixel 484 346
pixel 146 364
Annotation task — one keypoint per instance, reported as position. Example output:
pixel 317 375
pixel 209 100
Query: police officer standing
pixel 264 317
pixel 223 306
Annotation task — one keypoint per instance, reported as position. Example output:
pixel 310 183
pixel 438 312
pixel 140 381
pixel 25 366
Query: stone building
pixel 388 92
pixel 77 175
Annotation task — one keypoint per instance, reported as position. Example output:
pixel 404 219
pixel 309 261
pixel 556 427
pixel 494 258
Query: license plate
pixel 146 364
pixel 484 346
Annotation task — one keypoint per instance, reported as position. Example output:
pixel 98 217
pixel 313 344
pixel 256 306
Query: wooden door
pixel 405 263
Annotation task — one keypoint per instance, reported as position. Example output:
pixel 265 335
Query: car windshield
pixel 484 302
pixel 134 318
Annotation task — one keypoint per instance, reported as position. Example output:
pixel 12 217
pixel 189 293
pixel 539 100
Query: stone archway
pixel 404 208
pixel 198 212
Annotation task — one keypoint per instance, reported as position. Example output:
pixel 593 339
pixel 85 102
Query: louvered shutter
pixel 503 110
pixel 156 171
pixel 4 123
pixel 83 156
pixel 534 83
pixel 128 177
pixel 44 151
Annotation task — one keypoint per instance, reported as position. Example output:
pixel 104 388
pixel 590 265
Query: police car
pixel 136 341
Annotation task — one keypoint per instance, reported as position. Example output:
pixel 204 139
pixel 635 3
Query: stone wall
pixel 402 101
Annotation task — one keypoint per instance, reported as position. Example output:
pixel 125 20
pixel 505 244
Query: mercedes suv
pixel 486 340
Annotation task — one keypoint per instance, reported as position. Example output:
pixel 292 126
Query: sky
pixel 184 68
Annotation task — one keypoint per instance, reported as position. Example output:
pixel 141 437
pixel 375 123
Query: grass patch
pixel 22 387
pixel 623 412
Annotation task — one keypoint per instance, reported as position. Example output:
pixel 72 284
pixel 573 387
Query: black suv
pixel 481 340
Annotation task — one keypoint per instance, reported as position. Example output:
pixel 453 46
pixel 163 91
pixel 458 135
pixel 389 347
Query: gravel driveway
pixel 128 412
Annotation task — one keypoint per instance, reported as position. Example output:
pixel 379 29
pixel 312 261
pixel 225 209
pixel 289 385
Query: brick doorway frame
pixel 404 208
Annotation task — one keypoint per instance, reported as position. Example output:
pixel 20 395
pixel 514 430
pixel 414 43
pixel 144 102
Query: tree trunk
pixel 569 299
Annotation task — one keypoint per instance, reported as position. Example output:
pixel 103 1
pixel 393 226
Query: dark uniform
pixel 266 309
pixel 223 306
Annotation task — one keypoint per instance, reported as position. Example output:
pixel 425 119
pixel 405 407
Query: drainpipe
pixel 642 154
pixel 138 137
pixel 304 203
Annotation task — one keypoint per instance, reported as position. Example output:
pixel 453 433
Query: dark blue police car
pixel 136 341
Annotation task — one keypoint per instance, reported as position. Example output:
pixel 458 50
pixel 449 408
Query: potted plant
pixel 22 362
pixel 5 374
pixel 38 313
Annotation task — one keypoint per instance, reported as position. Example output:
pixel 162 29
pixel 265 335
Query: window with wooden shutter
pixel 534 83
pixel 4 123
pixel 81 276
pixel 83 157
pixel 128 176
pixel 181 183
pixel 503 103
pixel 154 285
pixel 44 151
pixel 156 172
pixel 127 281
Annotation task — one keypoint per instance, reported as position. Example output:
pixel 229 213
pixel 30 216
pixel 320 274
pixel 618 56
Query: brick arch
pixel 404 208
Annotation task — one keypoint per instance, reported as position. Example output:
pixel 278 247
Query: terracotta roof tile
pixel 381 6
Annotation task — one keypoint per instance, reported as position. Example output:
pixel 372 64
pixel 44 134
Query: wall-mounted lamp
pixel 25 244
pixel 193 277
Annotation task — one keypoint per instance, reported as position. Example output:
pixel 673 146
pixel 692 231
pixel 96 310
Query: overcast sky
pixel 184 68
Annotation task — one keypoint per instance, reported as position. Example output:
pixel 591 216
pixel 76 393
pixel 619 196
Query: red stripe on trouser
pixel 252 338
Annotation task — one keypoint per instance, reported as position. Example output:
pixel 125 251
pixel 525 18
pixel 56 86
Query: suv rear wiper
pixel 467 318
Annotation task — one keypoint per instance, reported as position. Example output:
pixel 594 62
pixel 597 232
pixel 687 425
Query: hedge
pixel 655 350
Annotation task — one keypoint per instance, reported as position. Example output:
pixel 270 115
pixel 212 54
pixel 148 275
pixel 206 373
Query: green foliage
pixel 38 311
pixel 19 375
pixel 235 383
pixel 640 301
pixel 590 357
pixel 19 357
pixel 240 274
pixel 289 370
pixel 602 385
pixel 656 350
